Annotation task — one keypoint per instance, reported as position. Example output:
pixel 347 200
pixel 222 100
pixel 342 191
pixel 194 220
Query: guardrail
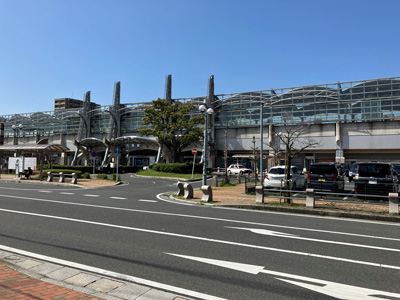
pixel 312 197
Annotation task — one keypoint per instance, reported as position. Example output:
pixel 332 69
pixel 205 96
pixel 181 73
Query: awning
pixel 92 143
pixel 34 148
pixel 123 140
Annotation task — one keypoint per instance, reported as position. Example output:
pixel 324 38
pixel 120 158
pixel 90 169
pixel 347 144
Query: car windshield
pixel 277 171
pixel 397 168
pixel 322 169
pixel 373 170
pixel 241 166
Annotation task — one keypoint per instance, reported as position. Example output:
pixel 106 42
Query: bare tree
pixel 293 139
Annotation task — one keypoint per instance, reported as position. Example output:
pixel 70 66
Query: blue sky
pixel 63 48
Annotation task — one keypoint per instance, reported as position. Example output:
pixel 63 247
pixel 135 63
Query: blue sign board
pixel 117 150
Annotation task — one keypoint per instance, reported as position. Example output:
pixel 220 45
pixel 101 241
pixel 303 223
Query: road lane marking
pixel 65 193
pixel 292 236
pixel 313 255
pixel 43 191
pixel 118 198
pixel 209 218
pixel 144 200
pixel 89 195
pixel 333 289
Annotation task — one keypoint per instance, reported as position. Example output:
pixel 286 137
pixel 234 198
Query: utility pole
pixel 226 156
pixel 254 148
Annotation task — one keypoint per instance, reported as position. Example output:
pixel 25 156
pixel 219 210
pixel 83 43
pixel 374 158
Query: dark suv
pixel 325 176
pixel 375 179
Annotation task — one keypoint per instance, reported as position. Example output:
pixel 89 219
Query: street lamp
pixel 204 109
pixel 16 132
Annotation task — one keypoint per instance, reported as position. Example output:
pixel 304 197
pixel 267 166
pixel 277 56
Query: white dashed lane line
pixel 45 191
pixel 89 195
pixel 118 198
pixel 143 200
pixel 65 193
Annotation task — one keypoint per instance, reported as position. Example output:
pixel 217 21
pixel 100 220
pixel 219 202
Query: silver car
pixel 276 175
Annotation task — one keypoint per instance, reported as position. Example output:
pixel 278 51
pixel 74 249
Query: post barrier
pixel 215 180
pixel 259 194
pixel 180 189
pixel 207 193
pixel 188 191
pixel 393 203
pixel 310 200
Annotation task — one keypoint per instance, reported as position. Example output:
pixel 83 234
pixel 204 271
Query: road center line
pixel 118 198
pixel 65 193
pixel 144 200
pixel 203 218
pixel 89 195
pixel 207 239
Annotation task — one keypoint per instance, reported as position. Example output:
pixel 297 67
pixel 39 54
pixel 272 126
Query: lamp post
pixel 16 132
pixel 204 109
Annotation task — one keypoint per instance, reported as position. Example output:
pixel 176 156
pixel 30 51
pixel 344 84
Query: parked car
pixel 275 176
pixel 353 172
pixel 375 179
pixel 325 176
pixel 238 169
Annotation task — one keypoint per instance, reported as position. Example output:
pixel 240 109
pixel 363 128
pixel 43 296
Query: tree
pixel 173 125
pixel 291 138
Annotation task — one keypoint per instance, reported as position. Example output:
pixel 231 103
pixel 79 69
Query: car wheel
pixel 229 172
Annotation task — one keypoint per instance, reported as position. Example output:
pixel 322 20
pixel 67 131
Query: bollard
pixel 62 177
pixel 74 179
pixel 259 194
pixel 393 203
pixel 310 200
pixel 188 189
pixel 239 179
pixel 215 180
pixel 180 187
pixel 207 193
pixel 49 177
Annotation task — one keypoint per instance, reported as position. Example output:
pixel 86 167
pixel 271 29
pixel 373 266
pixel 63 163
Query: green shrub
pixel 178 168
pixel 114 177
pixel 86 175
pixel 102 176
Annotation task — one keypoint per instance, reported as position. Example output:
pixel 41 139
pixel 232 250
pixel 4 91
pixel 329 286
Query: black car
pixel 375 179
pixel 325 176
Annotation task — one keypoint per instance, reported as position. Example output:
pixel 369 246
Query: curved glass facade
pixel 356 101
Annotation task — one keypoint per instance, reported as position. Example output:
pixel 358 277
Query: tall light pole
pixel 205 111
pixel 16 132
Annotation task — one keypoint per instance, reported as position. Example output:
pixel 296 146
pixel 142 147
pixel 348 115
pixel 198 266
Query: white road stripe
pixel 292 236
pixel 89 195
pixel 144 200
pixel 211 218
pixel 372 264
pixel 42 191
pixel 65 193
pixel 118 198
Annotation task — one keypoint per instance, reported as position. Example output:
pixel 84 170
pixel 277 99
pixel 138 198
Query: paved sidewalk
pixel 26 277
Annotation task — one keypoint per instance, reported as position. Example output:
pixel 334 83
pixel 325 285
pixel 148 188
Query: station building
pixel 349 121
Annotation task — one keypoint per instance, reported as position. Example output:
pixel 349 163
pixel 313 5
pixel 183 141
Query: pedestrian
pixel 28 173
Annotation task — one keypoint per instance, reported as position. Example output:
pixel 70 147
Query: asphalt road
pixel 223 253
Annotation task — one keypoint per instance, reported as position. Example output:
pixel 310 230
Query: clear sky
pixel 62 48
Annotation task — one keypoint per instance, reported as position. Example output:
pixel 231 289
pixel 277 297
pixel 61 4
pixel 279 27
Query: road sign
pixel 117 150
pixel 93 154
pixel 194 151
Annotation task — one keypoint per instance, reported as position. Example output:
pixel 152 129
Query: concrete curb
pixel 172 179
pixel 304 211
